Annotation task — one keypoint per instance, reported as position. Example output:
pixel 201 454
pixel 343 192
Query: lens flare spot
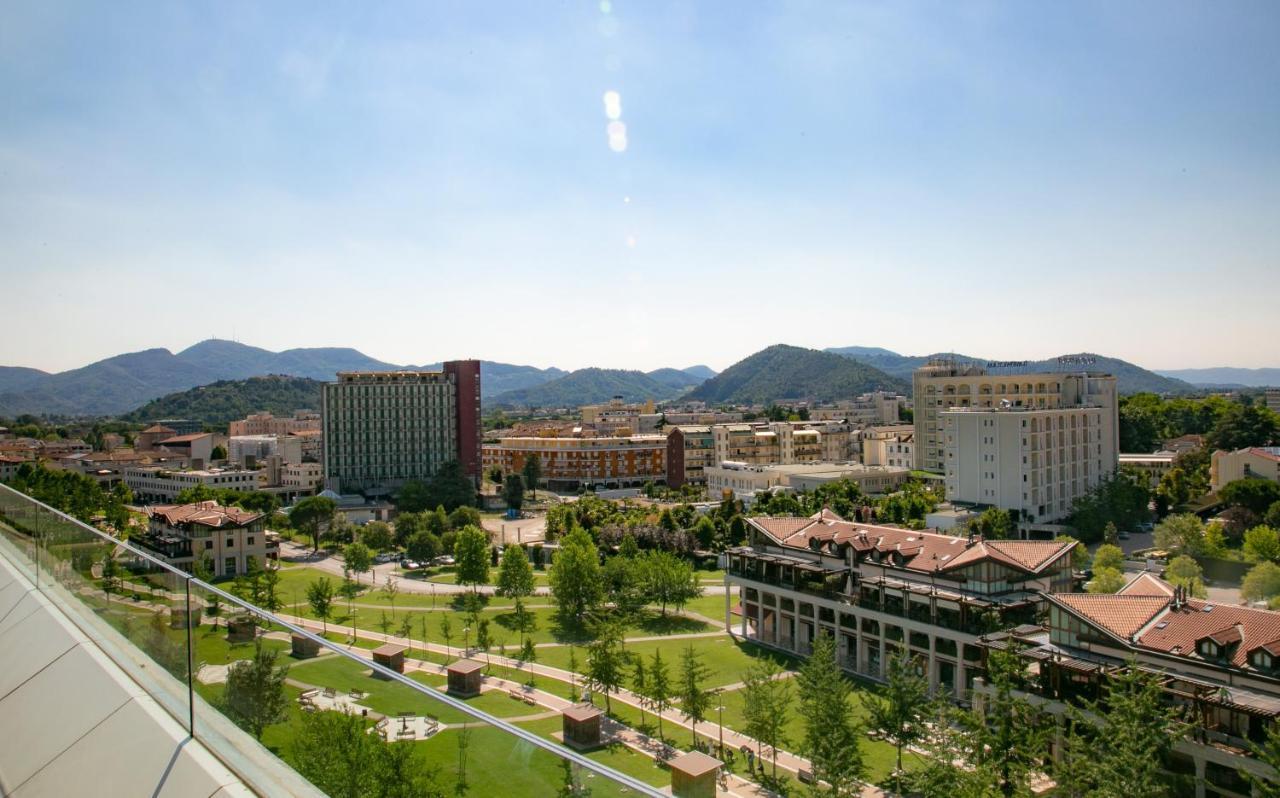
pixel 612 104
pixel 606 7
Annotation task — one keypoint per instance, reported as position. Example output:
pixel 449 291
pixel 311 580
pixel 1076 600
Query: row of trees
pixel 77 495
pixel 1146 420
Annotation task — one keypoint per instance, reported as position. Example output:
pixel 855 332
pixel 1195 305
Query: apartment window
pixel 208 544
pixel 248 541
pixel 229 566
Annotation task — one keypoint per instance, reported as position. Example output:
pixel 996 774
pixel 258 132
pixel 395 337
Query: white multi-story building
pixel 944 384
pixel 892 445
pixel 159 484
pixel 1030 460
pixel 287 447
pixel 746 479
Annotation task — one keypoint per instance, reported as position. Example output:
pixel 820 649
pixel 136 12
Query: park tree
pixel 766 709
pixel 624 583
pixel 1120 745
pixel 1173 490
pixel 422 547
pixel 391 589
pixel 1242 426
pixel 669 579
pixel 606 662
pixel 311 516
pixel 1010 738
pixel 471 553
pixel 437 521
pixel 704 529
pixel 531 472
pixel 1268 753
pixel 408 525
pixel 695 698
pixel 358 558
pixel 1108 556
pixel 1183 533
pixel 993 524
pixel 526 622
pixel 575 577
pixel 1186 572
pixel 832 739
pixel 1253 494
pixel 446 633
pixel 255 696
pixel 513 492
pixel 377 536
pixel 1262 544
pixel 659 688
pixel 898 711
pixel 1262 582
pixel 483 639
pixel 529 656
pixel 463 516
pixel 640 684
pixel 320 597
pixel 110 575
pixel 1105 580
pixel 515 574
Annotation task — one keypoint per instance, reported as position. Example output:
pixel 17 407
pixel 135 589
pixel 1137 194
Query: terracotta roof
pixel 918 550
pixel 210 514
pixel 1200 619
pixel 1122 616
pixel 195 436
pixel 157 428
pixel 1146 585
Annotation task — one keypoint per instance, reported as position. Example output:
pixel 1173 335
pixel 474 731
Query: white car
pixel 410 565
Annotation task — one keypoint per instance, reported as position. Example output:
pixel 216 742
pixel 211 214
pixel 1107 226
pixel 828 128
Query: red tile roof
pixel 1146 585
pixel 195 436
pixel 1122 616
pixel 1200 619
pixel 919 550
pixel 210 514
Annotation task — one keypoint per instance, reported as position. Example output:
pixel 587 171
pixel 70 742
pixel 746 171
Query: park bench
pixel 805 776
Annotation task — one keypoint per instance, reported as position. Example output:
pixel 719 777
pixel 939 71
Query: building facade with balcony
pixel 882 591
pixel 1221 663
pixel 944 384
pixel 570 462
pixel 690 452
pixel 1032 461
pixel 892 445
pixel 267 424
pixel 744 480
pixel 226 537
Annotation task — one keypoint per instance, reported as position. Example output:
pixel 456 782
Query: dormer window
pixel 1208 648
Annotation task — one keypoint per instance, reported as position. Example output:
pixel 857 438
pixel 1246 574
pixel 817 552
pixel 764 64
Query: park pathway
pixel 708 729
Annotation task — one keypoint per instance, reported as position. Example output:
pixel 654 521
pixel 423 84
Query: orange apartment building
pixel 571 462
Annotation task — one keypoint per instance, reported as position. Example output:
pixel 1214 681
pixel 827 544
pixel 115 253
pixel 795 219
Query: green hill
pixel 789 373
pixel 221 402
pixel 586 387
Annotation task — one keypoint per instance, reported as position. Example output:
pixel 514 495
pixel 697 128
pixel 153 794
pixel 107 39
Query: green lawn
pixel 727 658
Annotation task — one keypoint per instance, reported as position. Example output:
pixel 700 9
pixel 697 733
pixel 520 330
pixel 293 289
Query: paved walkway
pixel 709 730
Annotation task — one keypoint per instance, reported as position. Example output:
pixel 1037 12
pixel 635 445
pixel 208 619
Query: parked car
pixel 410 565
pixel 386 557
pixel 444 559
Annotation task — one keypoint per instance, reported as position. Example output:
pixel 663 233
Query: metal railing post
pixel 191 674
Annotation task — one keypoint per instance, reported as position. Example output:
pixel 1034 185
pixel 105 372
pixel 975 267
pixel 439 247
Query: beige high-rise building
pixel 1035 461
pixel 945 384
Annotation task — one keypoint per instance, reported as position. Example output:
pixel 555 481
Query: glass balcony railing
pixel 205 655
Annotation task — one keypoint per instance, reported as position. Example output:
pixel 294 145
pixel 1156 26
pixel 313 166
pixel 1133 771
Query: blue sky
pixel 436 180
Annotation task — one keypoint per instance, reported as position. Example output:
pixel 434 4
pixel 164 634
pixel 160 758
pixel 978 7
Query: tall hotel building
pixel 382 428
pixel 944 384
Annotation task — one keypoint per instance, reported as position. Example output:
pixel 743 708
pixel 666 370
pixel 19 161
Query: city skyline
pixel 597 184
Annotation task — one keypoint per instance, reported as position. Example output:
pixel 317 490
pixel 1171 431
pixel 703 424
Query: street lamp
pixel 720 709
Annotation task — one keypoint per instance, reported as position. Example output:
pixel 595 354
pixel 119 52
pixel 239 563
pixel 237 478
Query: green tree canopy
pixel 1262 543
pixel 311 515
pixel 1105 580
pixel 515 574
pixel 1108 556
pixel 575 577
pixel 471 553
pixel 832 738
pixel 1262 582
pixel 254 695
